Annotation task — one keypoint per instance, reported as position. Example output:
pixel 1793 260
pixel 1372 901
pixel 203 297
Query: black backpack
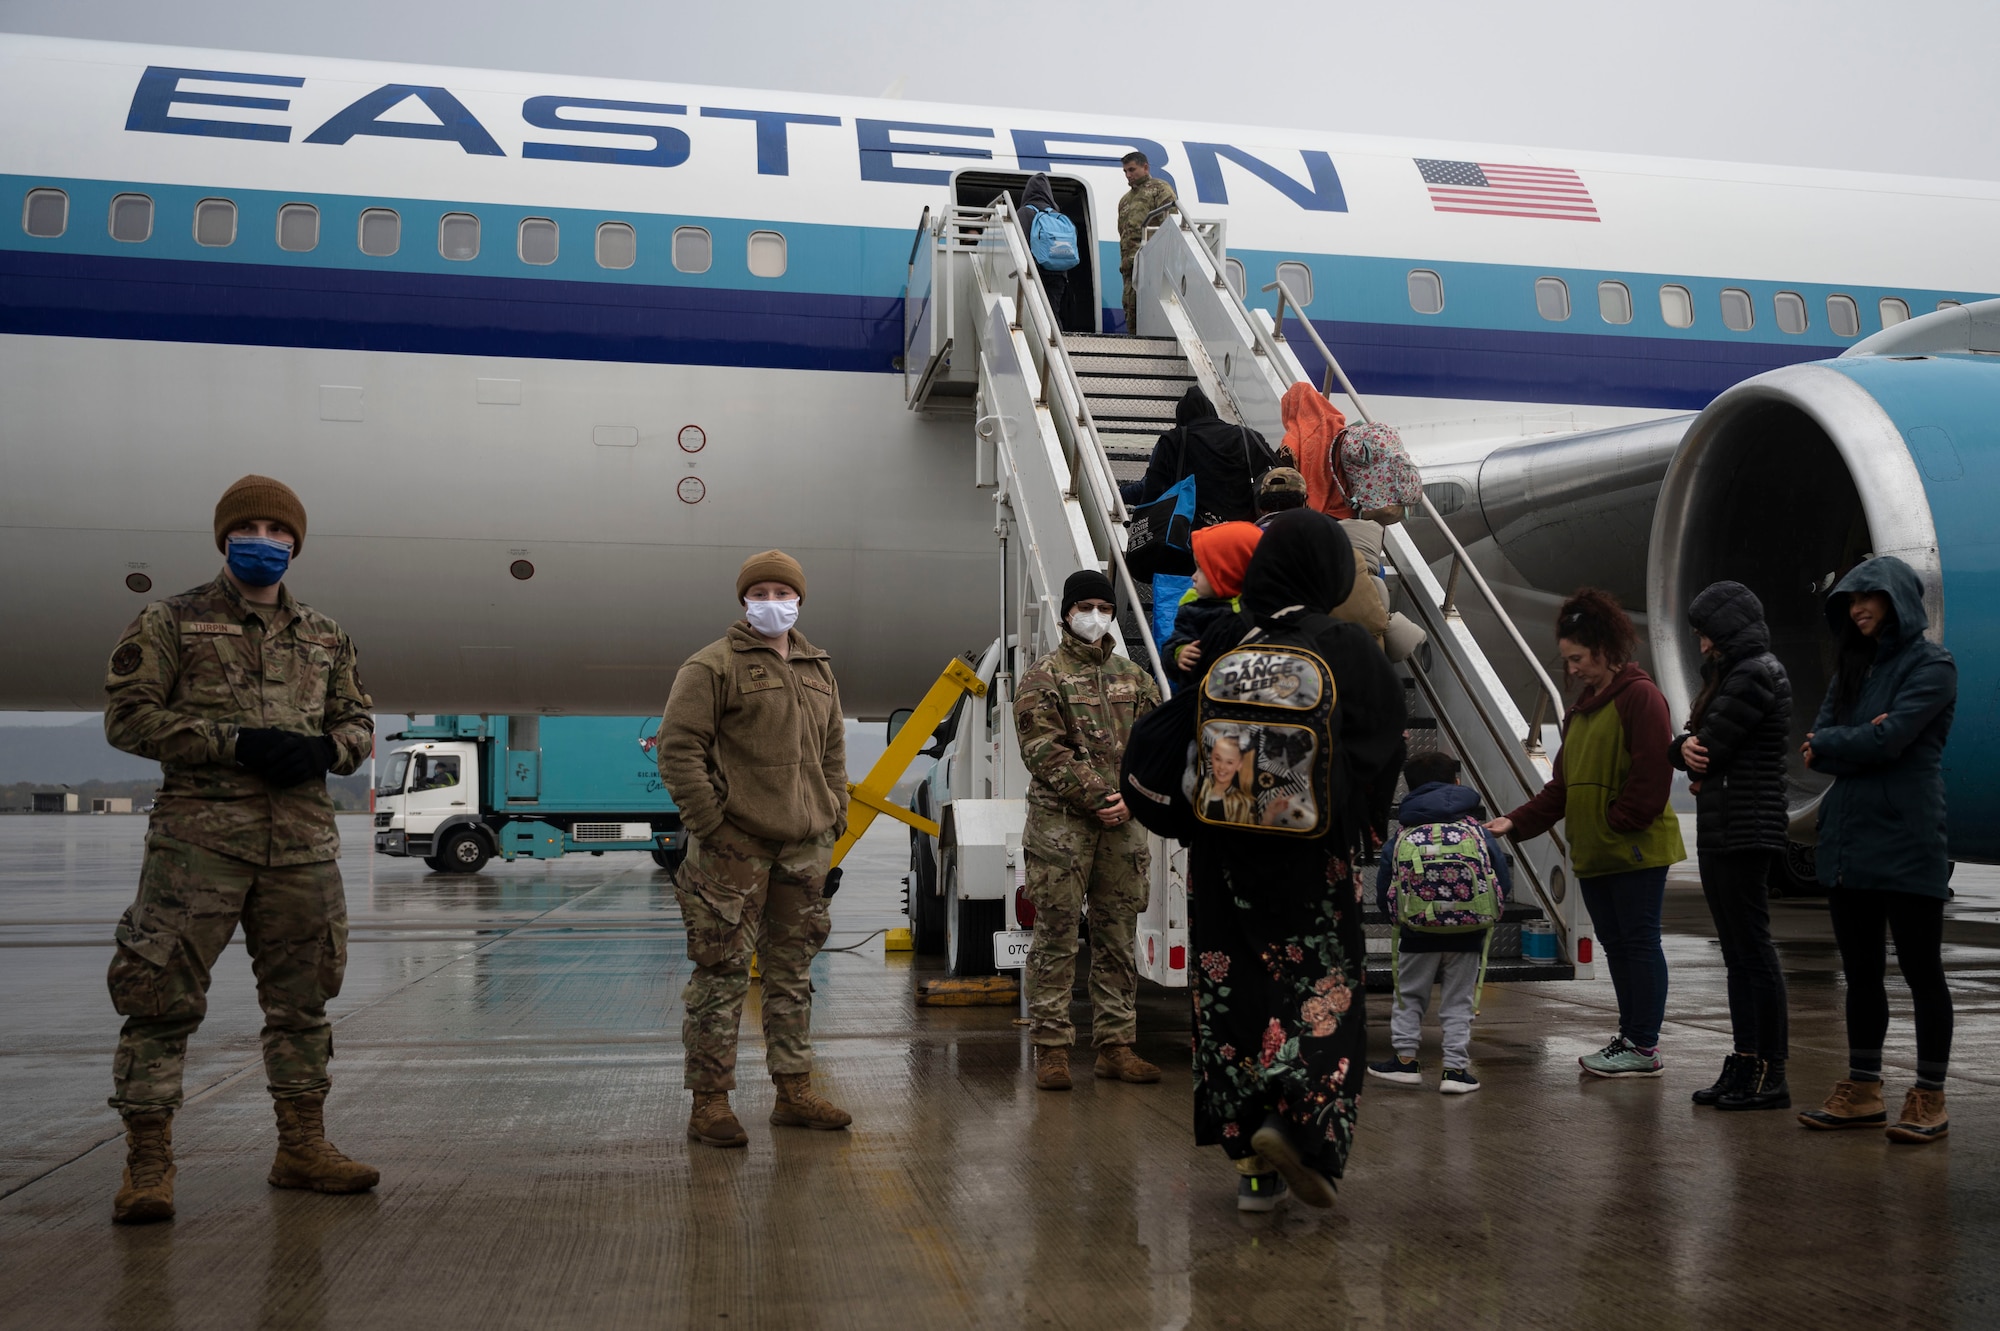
pixel 1153 773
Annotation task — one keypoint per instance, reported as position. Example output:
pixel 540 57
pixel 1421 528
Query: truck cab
pixel 419 790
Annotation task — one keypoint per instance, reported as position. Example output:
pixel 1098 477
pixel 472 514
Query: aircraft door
pixel 1081 309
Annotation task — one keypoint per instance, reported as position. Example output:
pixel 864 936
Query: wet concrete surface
pixel 508 1054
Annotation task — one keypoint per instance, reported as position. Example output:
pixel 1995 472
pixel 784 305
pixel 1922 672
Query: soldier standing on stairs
pixel 247 699
pixel 1075 711
pixel 753 749
pixel 1139 207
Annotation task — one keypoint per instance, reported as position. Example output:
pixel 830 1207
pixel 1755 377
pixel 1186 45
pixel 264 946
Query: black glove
pixel 283 758
pixel 832 882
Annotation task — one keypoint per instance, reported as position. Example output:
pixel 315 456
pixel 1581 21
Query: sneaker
pixel 1621 1058
pixel 1398 1071
pixel 1274 1143
pixel 1260 1192
pixel 1458 1081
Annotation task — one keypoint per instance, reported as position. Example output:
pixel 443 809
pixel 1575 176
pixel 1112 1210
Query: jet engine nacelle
pixel 1788 480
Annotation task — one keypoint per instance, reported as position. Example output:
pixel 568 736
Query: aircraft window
pixel 381 232
pixel 767 254
pixel 131 217
pixel 1447 497
pixel 1426 291
pixel 46 213
pixel 694 249
pixel 617 245
pixel 1614 302
pixel 540 240
pixel 1738 314
pixel 215 223
pixel 1299 278
pixel 1843 316
pixel 298 227
pixel 1791 307
pixel 1893 310
pixel 1676 306
pixel 1232 273
pixel 458 236
pixel 1949 304
pixel 1552 298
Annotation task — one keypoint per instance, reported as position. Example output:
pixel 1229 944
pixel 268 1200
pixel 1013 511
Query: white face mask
pixel 772 619
pixel 1090 625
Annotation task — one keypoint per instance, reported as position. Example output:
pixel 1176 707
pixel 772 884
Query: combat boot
pixel 147 1192
pixel 799 1106
pixel 306 1159
pixel 1853 1104
pixel 1117 1062
pixel 1051 1067
pixel 1923 1118
pixel 713 1123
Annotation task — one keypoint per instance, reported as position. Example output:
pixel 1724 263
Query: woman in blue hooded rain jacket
pixel 1882 858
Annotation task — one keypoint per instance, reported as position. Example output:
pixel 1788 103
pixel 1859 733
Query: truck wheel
pixel 463 851
pixel 926 906
pixel 436 864
pixel 972 924
pixel 1798 874
pixel 670 860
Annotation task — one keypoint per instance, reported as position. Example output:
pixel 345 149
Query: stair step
pixel 1131 367
pixel 1120 444
pixel 1160 388
pixel 1122 346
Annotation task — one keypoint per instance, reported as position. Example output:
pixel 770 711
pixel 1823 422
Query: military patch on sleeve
pixel 127 658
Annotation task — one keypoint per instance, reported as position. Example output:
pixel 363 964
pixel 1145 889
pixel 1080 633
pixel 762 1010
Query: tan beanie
pixel 259 497
pixel 771 566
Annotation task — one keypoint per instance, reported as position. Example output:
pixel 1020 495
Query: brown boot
pixel 1922 1120
pixel 1853 1104
pixel 713 1122
pixel 306 1159
pixel 147 1192
pixel 1051 1067
pixel 1117 1062
pixel 799 1106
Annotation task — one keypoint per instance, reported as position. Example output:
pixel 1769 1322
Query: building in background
pixel 61 801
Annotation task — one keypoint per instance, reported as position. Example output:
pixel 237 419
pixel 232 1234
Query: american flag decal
pixel 1507 191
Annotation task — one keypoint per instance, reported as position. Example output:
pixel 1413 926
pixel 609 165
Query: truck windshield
pixel 433 771
pixel 392 774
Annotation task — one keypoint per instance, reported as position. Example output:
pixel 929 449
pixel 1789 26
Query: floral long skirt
pixel 1280 989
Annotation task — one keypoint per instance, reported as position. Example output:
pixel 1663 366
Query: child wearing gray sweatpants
pixel 1448 960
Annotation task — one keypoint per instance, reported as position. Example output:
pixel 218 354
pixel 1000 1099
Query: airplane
pixel 548 356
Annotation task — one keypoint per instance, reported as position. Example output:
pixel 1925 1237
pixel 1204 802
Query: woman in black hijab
pixel 1280 974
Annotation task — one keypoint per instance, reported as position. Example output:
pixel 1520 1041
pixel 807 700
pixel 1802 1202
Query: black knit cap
pixel 1086 584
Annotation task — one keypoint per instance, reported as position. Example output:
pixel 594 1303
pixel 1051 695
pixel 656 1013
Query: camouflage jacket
pixel 194 669
pixel 1133 209
pixel 1074 711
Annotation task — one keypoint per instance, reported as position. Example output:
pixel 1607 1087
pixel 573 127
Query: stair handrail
pixel 1035 315
pixel 1460 560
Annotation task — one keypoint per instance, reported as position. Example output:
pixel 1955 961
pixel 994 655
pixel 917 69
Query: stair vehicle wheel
pixel 463 851
pixel 926 906
pixel 670 860
pixel 971 924
pixel 436 864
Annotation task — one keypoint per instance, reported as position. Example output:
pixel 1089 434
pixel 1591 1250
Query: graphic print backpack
pixel 1052 240
pixel 1444 881
pixel 1264 744
pixel 1374 468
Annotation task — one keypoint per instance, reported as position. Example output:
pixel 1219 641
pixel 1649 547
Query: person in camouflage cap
pixel 247 698
pixel 1074 712
pixel 1140 206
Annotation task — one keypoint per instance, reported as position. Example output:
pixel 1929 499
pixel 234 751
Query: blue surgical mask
pixel 258 561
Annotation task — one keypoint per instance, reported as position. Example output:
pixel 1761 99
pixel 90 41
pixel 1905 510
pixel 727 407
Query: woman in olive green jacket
pixel 1612 779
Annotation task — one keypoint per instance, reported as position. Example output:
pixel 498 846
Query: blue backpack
pixel 1052 240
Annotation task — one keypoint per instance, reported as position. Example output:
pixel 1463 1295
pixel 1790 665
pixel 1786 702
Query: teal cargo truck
pixel 458 791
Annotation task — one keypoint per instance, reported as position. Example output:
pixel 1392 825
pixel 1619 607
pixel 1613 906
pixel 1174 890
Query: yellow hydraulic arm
pixel 871 795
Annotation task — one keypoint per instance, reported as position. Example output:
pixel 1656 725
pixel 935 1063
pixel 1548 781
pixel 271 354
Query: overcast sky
pixel 1864 84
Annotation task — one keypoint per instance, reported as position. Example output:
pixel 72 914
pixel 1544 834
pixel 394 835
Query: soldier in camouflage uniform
pixel 1147 195
pixel 247 699
pixel 1075 710
pixel 753 749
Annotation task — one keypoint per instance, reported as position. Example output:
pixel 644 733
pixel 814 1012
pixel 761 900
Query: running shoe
pixel 1621 1058
pixel 1260 1192
pixel 1398 1071
pixel 1458 1081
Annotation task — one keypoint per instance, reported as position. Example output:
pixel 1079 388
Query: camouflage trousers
pixel 741 894
pixel 1074 859
pixel 190 899
pixel 1131 299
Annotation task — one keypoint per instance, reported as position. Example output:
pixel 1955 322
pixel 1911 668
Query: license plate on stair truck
pixel 1010 948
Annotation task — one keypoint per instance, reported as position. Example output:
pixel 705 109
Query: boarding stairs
pixel 1059 419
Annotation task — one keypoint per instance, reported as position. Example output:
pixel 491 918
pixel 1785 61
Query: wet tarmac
pixel 508 1055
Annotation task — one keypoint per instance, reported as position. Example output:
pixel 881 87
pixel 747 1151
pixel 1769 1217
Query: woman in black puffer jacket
pixel 1735 753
